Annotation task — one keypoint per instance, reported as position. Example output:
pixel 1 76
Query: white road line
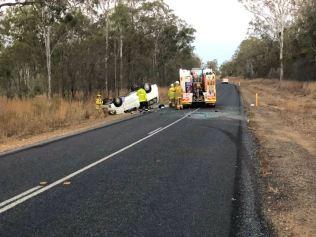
pixel 155 131
pixel 25 198
pixel 19 196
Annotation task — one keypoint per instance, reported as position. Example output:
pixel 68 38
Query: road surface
pixel 167 173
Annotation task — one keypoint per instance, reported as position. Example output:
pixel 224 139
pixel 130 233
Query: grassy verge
pixel 26 118
pixel 285 126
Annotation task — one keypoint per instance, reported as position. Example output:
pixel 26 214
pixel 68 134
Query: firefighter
pixel 178 95
pixel 98 103
pixel 142 96
pixel 171 95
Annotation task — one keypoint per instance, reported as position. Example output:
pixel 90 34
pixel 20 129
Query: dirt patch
pixel 285 126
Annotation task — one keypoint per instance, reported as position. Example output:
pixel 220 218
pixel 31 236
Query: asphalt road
pixel 130 180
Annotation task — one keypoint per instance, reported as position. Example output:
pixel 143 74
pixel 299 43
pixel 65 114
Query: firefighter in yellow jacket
pixel 171 95
pixel 98 103
pixel 178 95
pixel 142 96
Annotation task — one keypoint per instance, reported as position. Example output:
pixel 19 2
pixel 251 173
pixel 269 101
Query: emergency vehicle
pixel 199 86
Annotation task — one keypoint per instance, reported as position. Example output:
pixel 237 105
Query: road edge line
pixel 4 203
pixel 57 182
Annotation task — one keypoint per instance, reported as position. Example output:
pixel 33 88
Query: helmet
pixel 98 95
pixel 177 82
pixel 172 85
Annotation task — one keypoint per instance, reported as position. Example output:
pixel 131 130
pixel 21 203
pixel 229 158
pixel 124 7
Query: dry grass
pixel 297 87
pixel 20 119
pixel 285 125
pixel 163 95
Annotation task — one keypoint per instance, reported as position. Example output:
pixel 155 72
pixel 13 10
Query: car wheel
pixel 147 87
pixel 118 101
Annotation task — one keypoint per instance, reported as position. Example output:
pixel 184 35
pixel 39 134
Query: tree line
pixel 282 42
pixel 68 48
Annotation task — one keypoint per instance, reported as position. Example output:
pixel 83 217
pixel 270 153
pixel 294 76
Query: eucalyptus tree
pixel 272 17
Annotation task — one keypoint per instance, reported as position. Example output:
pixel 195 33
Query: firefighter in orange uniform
pixel 178 95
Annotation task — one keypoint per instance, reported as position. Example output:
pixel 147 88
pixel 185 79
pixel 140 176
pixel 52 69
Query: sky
pixel 221 25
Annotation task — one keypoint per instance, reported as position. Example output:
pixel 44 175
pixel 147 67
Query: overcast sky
pixel 221 25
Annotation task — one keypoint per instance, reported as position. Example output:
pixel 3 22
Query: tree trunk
pixel 107 49
pixel 115 67
pixel 19 86
pixel 61 79
pixel 164 73
pixel 48 61
pixel 281 54
pixel 155 67
pixel 121 59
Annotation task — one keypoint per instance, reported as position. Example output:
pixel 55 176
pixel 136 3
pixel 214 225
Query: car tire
pixel 147 87
pixel 118 101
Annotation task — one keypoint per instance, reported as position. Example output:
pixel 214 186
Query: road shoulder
pixel 284 126
pixel 247 216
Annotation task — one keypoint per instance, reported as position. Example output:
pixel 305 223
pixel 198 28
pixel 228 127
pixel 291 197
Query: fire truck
pixel 199 86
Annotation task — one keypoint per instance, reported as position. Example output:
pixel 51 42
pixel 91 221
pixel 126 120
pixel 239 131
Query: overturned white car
pixel 130 102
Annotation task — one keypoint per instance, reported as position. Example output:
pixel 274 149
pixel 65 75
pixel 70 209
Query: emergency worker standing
pixel 178 95
pixel 142 96
pixel 98 103
pixel 171 95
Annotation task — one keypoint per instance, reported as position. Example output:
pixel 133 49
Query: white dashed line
pixel 155 131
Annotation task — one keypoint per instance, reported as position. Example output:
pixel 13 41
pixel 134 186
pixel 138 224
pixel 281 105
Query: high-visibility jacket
pixel 178 92
pixel 98 101
pixel 171 93
pixel 142 95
